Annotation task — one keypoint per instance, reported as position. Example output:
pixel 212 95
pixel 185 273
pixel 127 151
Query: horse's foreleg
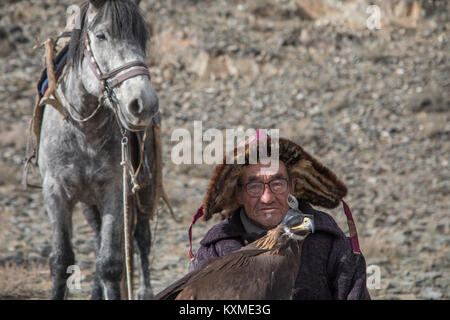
pixel 142 236
pixel 92 216
pixel 59 210
pixel 109 265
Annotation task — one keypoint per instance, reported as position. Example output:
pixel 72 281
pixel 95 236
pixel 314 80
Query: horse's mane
pixel 127 23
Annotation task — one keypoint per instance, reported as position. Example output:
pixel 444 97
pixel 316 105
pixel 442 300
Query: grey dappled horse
pixel 80 161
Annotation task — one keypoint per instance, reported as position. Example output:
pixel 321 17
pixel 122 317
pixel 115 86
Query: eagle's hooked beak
pixel 297 222
pixel 306 225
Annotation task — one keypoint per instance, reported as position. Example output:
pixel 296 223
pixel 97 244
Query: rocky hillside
pixel 369 97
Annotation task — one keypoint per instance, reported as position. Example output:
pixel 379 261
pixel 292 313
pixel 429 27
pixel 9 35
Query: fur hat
pixel 313 182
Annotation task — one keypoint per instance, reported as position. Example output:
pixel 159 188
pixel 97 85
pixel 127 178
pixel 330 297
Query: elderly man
pixel 253 199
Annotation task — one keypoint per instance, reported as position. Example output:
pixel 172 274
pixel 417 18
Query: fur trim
pixel 314 183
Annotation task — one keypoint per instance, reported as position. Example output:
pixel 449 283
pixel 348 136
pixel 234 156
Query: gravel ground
pixel 373 105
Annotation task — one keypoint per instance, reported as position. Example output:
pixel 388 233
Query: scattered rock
pixel 313 9
pixel 430 99
pixel 430 293
pixel 5 45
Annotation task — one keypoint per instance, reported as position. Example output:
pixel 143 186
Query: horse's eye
pixel 100 36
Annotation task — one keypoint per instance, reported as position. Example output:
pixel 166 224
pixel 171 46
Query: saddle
pixel 43 98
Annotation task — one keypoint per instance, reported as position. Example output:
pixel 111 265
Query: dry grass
pixel 24 282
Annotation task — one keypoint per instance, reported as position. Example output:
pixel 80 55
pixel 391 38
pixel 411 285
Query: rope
pixel 69 109
pixel 126 213
pixel 153 241
pixel 133 173
pixel 127 168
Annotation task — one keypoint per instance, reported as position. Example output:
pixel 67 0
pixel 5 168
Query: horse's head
pixel 113 40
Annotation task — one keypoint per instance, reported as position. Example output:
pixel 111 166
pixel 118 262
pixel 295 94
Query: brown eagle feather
pixel 264 269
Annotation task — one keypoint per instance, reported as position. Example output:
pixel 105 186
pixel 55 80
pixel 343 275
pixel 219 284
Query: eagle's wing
pixel 210 268
pixel 172 291
pixel 241 275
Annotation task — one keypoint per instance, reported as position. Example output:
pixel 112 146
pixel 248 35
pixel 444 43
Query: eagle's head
pixel 297 225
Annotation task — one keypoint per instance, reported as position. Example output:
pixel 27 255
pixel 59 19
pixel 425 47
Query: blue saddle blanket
pixel 59 63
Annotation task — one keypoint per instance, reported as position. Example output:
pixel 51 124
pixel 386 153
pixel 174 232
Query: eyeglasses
pixel 256 189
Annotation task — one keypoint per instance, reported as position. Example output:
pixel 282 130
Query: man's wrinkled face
pixel 265 205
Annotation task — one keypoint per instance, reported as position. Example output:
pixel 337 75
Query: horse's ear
pixel 97 3
pixel 73 18
pixel 94 7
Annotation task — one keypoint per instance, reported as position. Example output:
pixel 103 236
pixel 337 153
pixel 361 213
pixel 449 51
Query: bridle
pixel 110 80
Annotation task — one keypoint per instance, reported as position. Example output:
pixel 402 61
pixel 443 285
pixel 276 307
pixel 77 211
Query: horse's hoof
pixel 145 294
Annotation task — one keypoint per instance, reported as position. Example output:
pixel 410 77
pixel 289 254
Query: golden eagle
pixel 264 269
